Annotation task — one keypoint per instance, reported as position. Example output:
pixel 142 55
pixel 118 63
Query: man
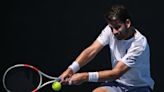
pixel 129 57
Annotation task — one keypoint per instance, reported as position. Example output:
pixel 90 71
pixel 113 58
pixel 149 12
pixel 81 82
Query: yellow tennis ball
pixel 56 86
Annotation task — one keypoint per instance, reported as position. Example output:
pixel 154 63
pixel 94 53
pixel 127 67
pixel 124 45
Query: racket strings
pixel 22 80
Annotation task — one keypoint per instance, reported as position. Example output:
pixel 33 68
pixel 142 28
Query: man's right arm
pixel 89 53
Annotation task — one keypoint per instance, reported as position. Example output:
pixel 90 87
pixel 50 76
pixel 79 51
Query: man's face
pixel 119 29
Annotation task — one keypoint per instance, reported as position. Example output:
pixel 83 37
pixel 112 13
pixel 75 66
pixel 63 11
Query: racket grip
pixel 58 79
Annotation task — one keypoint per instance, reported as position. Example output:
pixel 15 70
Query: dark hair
pixel 119 12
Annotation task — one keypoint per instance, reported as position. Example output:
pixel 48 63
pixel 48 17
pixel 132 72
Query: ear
pixel 128 23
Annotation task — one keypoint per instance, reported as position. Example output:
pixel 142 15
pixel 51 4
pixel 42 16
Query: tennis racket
pixel 25 78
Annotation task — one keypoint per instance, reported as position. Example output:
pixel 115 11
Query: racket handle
pixel 58 79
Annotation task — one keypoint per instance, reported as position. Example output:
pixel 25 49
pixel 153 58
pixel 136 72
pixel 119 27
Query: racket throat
pixel 35 90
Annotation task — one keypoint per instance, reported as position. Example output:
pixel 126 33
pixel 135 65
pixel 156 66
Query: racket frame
pixel 40 73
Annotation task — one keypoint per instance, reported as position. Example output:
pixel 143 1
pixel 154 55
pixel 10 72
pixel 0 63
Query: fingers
pixel 71 79
pixel 74 80
pixel 65 82
pixel 70 82
pixel 66 77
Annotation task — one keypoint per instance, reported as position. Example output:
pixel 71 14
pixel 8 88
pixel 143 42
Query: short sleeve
pixel 104 36
pixel 134 52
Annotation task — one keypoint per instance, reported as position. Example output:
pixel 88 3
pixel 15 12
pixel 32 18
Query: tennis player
pixel 130 57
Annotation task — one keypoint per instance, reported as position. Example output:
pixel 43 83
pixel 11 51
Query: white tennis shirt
pixel 134 53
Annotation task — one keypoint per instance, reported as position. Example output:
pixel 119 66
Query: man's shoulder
pixel 107 28
pixel 140 40
pixel 139 36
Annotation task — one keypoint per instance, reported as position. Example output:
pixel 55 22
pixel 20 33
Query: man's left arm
pixel 113 74
pixel 106 75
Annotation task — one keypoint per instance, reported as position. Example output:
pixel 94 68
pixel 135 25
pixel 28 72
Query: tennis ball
pixel 56 86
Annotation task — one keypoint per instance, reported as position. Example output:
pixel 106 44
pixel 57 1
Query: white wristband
pixel 93 76
pixel 75 67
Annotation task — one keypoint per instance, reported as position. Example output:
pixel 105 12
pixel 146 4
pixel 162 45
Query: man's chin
pixel 119 38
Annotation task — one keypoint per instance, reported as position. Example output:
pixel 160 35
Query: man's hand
pixel 78 78
pixel 65 76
